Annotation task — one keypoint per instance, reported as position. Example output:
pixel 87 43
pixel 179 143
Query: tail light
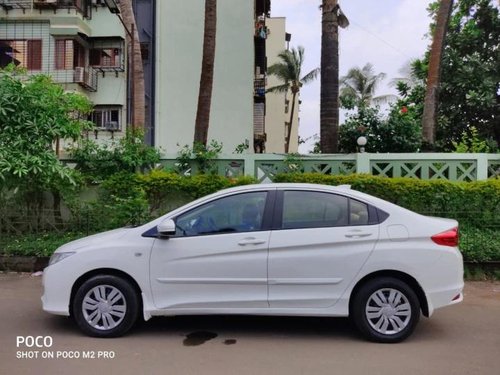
pixel 448 238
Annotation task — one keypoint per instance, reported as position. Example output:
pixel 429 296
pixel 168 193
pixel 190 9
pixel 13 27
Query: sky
pixel 386 33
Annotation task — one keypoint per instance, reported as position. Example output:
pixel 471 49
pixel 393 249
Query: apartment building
pixel 80 43
pixel 277 106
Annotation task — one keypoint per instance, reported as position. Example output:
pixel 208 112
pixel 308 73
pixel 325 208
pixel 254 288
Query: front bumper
pixel 56 293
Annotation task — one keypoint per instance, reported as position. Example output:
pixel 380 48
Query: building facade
pixel 278 105
pixel 80 44
pixel 242 113
pixel 179 47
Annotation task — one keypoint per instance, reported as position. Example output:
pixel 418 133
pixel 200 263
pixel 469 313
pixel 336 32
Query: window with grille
pixel 69 54
pixel 106 117
pixel 108 57
pixel 24 53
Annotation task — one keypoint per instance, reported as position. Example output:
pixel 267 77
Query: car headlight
pixel 57 257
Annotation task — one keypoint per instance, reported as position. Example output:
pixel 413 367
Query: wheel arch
pixel 105 272
pixel 411 281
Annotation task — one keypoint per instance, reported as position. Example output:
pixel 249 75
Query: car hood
pixel 93 240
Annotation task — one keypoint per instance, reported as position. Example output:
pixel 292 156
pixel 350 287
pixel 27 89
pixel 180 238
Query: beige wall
pixel 275 102
pixel 179 53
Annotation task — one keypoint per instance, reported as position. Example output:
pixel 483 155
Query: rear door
pixel 320 242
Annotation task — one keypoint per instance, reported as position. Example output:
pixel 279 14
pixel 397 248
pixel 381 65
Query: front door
pixel 218 257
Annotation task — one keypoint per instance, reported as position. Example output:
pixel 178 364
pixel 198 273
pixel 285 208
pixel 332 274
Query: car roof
pixel 288 185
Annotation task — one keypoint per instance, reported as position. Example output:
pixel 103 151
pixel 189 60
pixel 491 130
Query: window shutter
pixel 34 55
pixel 60 54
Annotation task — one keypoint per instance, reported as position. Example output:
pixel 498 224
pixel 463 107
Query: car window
pixel 306 209
pixel 237 213
pixel 358 213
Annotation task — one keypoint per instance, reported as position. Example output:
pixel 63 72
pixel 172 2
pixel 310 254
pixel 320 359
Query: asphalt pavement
pixel 462 339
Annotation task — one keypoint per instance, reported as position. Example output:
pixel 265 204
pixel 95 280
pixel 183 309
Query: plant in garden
pixel 293 163
pixel 471 142
pixel 242 147
pixel 34 113
pixel 97 162
pixel 399 133
pixel 200 156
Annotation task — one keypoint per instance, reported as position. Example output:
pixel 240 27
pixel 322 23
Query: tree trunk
pixel 329 113
pixel 138 100
pixel 207 74
pixel 289 128
pixel 432 92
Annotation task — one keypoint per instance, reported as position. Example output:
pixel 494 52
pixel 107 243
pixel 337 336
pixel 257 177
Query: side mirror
pixel 166 228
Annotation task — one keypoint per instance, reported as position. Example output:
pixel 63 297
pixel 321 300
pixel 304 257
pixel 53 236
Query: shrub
pixel 40 244
pixel 131 154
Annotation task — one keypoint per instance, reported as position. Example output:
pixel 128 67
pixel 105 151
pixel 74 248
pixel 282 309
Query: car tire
pixel 385 310
pixel 105 306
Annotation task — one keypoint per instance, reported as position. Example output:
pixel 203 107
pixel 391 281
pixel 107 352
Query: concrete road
pixel 463 339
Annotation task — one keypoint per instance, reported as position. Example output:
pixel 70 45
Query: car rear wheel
pixel 105 306
pixel 385 310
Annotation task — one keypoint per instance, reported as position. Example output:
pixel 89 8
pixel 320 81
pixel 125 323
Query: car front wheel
pixel 105 306
pixel 385 310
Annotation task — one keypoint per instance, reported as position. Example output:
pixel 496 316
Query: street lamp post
pixel 362 141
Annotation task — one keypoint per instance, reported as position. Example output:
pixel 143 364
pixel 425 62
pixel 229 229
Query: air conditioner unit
pixel 111 125
pixel 79 74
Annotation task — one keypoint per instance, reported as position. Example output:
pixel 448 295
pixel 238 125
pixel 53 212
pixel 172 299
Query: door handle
pixel 358 235
pixel 251 241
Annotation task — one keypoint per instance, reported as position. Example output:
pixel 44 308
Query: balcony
pixel 86 77
pixel 259 87
pixel 54 5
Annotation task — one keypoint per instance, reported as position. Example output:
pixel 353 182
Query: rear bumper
pixel 438 299
pixel 443 283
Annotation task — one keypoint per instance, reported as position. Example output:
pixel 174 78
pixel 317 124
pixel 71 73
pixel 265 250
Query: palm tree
pixel 207 74
pixel 332 18
pixel 359 85
pixel 289 71
pixel 432 92
pixel 135 58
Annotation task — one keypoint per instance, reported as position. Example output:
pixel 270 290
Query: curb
pixel 23 264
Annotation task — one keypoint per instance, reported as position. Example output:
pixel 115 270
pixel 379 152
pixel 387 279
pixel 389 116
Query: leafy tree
pixel 289 71
pixel 470 87
pixel 399 133
pixel 358 87
pixel 34 112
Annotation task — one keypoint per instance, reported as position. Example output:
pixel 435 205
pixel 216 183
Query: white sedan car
pixel 276 249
